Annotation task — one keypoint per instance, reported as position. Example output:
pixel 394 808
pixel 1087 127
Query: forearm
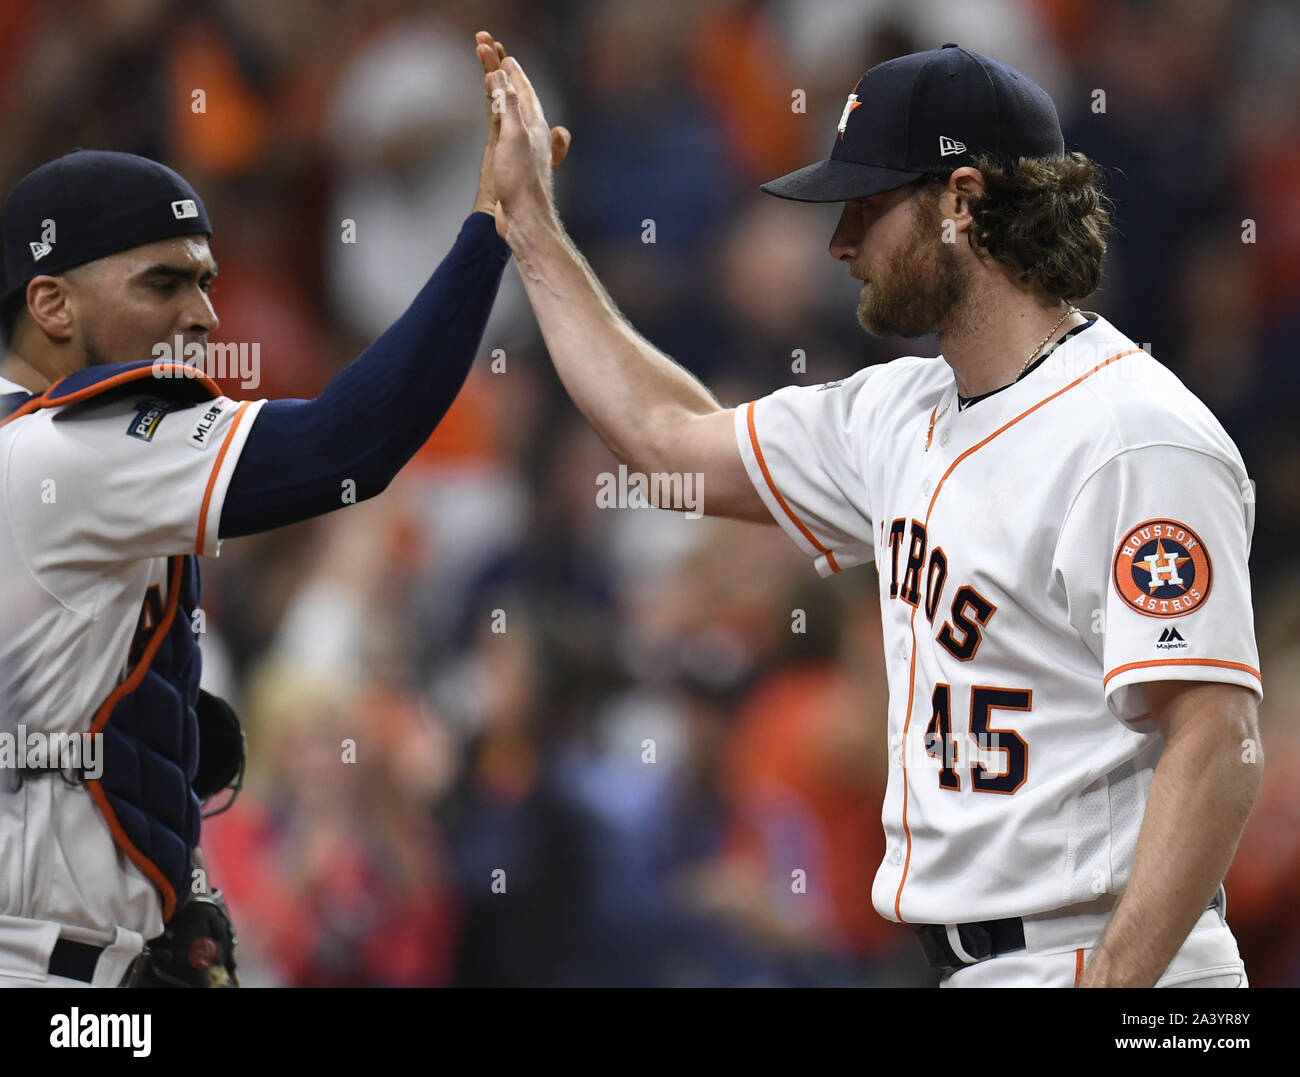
pixel 1200 797
pixel 635 397
pixel 376 412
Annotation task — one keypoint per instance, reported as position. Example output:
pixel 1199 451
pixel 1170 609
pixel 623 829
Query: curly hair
pixel 1046 217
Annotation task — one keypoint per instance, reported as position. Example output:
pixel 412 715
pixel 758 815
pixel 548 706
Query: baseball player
pixel 1060 529
pixel 120 465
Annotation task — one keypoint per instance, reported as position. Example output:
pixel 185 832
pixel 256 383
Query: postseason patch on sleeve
pixel 1162 569
pixel 147 419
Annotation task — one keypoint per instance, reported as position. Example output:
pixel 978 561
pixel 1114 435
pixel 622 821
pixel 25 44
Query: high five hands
pixel 522 151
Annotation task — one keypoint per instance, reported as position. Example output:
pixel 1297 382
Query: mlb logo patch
pixel 184 209
pixel 199 438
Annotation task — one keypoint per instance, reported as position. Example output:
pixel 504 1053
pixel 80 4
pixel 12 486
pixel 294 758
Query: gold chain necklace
pixel 936 415
pixel 1043 343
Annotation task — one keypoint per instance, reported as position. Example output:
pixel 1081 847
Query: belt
pixel 987 938
pixel 75 960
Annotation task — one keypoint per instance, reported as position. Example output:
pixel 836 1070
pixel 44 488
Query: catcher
pixel 121 463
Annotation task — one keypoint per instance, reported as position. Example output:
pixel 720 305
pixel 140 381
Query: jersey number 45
pixel 941 745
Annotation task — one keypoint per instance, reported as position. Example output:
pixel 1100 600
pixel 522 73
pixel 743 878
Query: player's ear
pixel 964 185
pixel 49 305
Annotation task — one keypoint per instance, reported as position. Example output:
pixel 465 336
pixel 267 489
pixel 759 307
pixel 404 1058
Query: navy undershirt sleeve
pixel 375 413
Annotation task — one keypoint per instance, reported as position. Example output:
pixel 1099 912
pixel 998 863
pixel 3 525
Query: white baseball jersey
pixel 1041 554
pixel 94 497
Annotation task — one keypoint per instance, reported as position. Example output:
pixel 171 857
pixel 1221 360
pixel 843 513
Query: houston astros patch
pixel 1162 569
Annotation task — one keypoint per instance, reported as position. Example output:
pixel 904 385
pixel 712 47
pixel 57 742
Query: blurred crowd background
pixel 502 653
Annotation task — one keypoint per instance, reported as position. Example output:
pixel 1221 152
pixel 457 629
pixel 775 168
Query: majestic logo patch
pixel 145 423
pixel 1162 569
pixel 1171 640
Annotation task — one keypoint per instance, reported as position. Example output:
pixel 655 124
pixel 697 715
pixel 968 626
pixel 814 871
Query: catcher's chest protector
pixel 150 745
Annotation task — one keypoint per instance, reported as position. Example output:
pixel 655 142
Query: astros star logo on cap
pixel 849 106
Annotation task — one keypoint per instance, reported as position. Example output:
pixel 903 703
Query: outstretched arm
pixel 653 415
pixel 378 411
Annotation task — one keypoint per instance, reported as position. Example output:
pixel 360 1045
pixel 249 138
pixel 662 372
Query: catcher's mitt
pixel 221 752
pixel 197 949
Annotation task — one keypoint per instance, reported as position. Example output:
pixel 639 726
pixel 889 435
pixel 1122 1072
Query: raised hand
pixel 490 54
pixel 525 150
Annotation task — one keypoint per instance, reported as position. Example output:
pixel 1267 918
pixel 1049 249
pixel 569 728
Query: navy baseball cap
pixel 927 112
pixel 88 204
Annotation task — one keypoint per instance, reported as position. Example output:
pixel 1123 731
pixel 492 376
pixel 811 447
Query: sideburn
pixel 925 284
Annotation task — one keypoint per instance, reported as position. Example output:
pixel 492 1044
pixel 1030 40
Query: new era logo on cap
pixel 184 208
pixel 40 250
pixel 949 146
